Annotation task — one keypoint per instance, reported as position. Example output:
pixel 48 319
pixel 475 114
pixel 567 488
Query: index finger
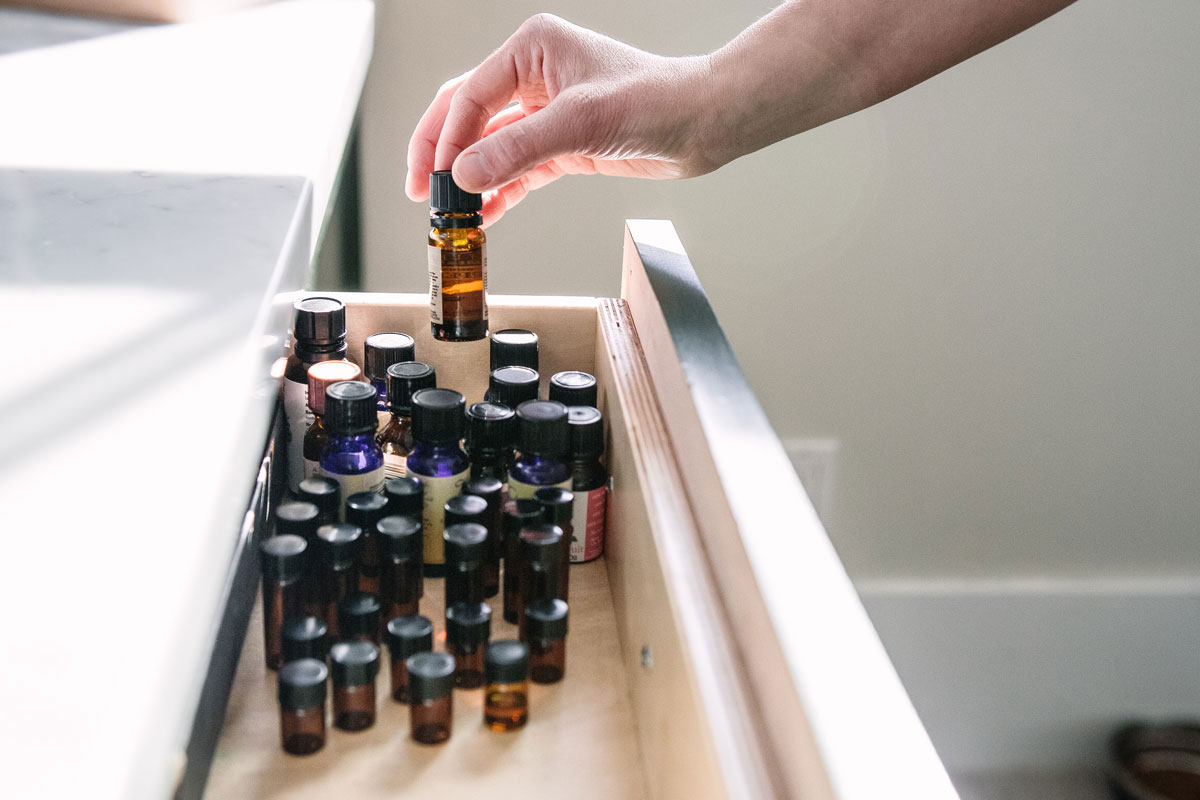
pixel 485 91
pixel 424 140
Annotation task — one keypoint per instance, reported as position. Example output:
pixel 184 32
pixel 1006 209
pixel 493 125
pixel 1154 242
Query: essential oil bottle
pixel 546 633
pixel 468 626
pixel 457 262
pixel 325 494
pixel 518 515
pixel 320 377
pixel 514 347
pixel 405 496
pixel 512 386
pixel 358 618
pixel 573 388
pixel 380 351
pixel 396 437
pixel 355 665
pixel 506 696
pixel 352 458
pixel 401 583
pixel 490 438
pixel 466 549
pixel 557 506
pixel 302 706
pixel 303 519
pixel 406 636
pixel 589 482
pixel 319 334
pixel 282 560
pixel 541 566
pixel 305 637
pixel 338 545
pixel 491 491
pixel 543 444
pixel 365 509
pixel 431 696
pixel 438 462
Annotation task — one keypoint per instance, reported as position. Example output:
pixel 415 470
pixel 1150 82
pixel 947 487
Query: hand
pixel 585 104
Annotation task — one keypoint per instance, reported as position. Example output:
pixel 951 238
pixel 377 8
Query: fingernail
pixel 473 171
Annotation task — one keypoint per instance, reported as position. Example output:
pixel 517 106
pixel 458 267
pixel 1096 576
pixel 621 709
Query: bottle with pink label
pixel 589 482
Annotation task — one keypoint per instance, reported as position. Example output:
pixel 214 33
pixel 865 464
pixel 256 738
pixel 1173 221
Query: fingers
pixel 516 148
pixel 422 145
pixel 485 91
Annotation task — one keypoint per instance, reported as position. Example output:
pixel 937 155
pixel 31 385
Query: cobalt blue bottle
pixel 352 457
pixel 439 463
pixel 543 446
pixel 380 351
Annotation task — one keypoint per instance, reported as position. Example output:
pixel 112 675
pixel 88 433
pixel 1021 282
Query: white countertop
pixel 161 189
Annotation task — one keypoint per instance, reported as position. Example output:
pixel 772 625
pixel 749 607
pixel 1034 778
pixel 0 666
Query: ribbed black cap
pixel 465 542
pixel 399 536
pixel 350 408
pixel 297 519
pixel 546 619
pixel 540 545
pixel 490 426
pixel 404 379
pixel 520 514
pixel 430 676
pixel 381 350
pixel 573 388
pixel 408 636
pixel 322 492
pixel 466 508
pixel 404 496
pixel 283 557
pixel 468 623
pixel 542 429
pixel 506 661
pixel 490 490
pixel 437 416
pixel 320 323
pixel 358 615
pixel 556 503
pixel 354 663
pixel 512 386
pixel 587 431
pixel 339 544
pixel 364 509
pixel 304 637
pixel 302 684
pixel 445 196
pixel 514 347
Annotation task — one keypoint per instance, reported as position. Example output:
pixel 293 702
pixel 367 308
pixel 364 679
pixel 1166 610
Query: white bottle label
pixel 435 285
pixel 433 513
pixel 311 468
pixel 296 412
pixel 588 519
pixel 394 466
pixel 353 484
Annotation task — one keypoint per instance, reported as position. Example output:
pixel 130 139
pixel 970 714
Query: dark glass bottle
pixel 405 496
pixel 364 510
pixel 380 351
pixel 491 491
pixel 438 462
pixel 518 515
pixel 506 696
pixel 431 696
pixel 354 667
pixel 358 618
pixel 320 377
pixel 395 437
pixel 557 509
pixel 352 458
pixel 406 636
pixel 282 559
pixel 573 388
pixel 514 347
pixel 546 633
pixel 589 481
pixel 512 386
pixel 401 583
pixel 325 494
pixel 302 706
pixel 543 444
pixel 466 549
pixel 339 549
pixel 468 626
pixel 541 562
pixel 305 637
pixel 303 519
pixel 319 334
pixel 457 262
pixel 490 438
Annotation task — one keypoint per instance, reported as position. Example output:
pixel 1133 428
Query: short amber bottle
pixel 302 706
pixel 358 618
pixel 491 491
pixel 468 626
pixel 546 634
pixel 325 494
pixel 558 508
pixel 305 637
pixel 518 514
pixel 338 547
pixel 466 549
pixel 540 568
pixel 506 696
pixel 406 636
pixel 282 569
pixel 401 581
pixel 364 509
pixel 302 519
pixel 355 665
pixel 431 696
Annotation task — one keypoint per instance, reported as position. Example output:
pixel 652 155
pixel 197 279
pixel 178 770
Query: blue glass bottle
pixel 543 446
pixel 380 351
pixel 439 463
pixel 352 457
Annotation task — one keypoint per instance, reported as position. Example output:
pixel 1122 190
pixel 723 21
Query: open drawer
pixel 718 648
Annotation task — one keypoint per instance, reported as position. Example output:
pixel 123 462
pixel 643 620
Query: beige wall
pixel 986 289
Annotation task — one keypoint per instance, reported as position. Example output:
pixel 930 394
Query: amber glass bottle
pixel 457 262
pixel 431 696
pixel 355 665
pixel 506 695
pixel 302 706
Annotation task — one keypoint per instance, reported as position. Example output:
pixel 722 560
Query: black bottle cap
pixel 408 636
pixel 468 624
pixel 445 196
pixel 297 519
pixel 339 543
pixel 546 619
pixel 520 514
pixel 490 426
pixel 506 661
pixel 302 684
pixel 542 429
pixel 557 504
pixel 320 323
pixel 323 493
pixel 304 637
pixel 490 490
pixel 514 347
pixel 587 431
pixel 364 509
pixel 358 615
pixel 430 676
pixel 404 496
pixel 403 380
pixel 540 545
pixel 399 536
pixel 354 663
pixel 465 542
pixel 350 408
pixel 283 557
pixel 466 508
pixel 573 388
pixel 512 386
pixel 381 350
pixel 437 415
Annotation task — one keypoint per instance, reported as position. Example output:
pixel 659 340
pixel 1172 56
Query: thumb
pixel 515 149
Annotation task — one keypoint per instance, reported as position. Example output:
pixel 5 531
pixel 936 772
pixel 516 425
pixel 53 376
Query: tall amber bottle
pixel 457 262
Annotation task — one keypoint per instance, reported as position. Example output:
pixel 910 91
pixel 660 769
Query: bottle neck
pixel 455 219
pixel 342 441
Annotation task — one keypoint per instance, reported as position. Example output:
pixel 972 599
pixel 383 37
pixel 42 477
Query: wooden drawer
pixel 717 650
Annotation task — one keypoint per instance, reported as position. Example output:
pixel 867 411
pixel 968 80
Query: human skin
pixel 556 99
